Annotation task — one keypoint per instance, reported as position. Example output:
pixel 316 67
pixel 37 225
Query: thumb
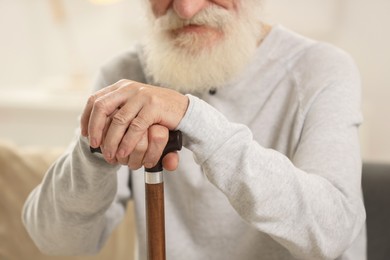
pixel 171 161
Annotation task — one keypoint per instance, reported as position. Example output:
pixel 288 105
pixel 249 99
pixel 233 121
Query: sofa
pixel 22 168
pixel 376 191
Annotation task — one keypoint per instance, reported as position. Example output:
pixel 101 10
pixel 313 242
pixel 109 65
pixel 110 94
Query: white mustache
pixel 212 16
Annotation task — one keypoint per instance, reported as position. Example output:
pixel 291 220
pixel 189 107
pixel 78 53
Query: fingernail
pixel 93 143
pixel 108 155
pixel 121 153
pixel 148 165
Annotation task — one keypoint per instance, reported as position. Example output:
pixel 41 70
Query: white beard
pixel 187 64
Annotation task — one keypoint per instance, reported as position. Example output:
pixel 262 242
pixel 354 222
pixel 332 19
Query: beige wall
pixel 50 50
pixel 361 28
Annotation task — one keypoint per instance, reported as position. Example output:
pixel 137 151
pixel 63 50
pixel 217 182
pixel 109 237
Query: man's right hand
pixel 130 121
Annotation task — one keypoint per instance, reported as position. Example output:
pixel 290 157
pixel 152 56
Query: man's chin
pixel 193 64
pixel 196 42
pixel 195 59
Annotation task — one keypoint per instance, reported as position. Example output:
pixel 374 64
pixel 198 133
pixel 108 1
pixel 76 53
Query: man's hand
pixel 130 122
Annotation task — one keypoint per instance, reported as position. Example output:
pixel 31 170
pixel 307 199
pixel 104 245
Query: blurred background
pixel 50 51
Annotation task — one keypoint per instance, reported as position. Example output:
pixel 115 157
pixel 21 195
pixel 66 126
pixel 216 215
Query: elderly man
pixel 271 165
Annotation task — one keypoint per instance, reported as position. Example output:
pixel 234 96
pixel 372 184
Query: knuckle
pixel 124 83
pixel 123 160
pixel 119 119
pixel 112 161
pixel 91 100
pixel 138 124
pixel 146 92
pixel 152 158
pixel 134 165
pixel 121 82
pixel 100 103
pixel 125 144
pixel 159 137
pixel 152 98
pixel 140 148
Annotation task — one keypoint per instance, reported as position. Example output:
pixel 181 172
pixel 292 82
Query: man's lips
pixel 193 28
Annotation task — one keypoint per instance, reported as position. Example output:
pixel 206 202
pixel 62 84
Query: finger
pixel 157 137
pixel 113 161
pixel 102 148
pixel 123 160
pixel 84 121
pixel 105 129
pixel 120 160
pixel 137 156
pixel 103 107
pixel 138 126
pixel 108 122
pixel 171 161
pixel 117 130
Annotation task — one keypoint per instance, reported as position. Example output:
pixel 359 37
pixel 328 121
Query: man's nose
pixel 186 9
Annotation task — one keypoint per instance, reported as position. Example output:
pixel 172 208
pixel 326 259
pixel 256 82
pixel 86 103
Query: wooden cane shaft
pixel 155 221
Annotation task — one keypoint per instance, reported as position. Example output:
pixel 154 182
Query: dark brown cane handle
pixel 174 144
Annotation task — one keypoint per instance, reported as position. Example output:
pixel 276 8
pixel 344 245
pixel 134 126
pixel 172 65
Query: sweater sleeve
pixel 79 202
pixel 72 210
pixel 82 198
pixel 311 204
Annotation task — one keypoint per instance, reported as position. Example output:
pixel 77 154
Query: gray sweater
pixel 271 167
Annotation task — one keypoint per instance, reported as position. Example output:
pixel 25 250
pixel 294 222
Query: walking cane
pixel 154 200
